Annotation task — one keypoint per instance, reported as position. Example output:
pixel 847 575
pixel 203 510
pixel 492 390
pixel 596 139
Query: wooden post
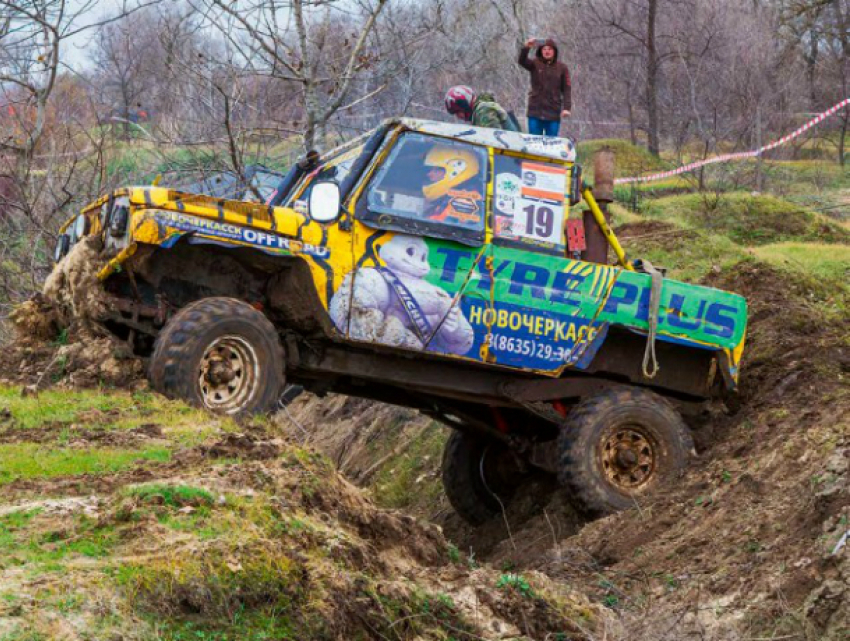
pixel 603 191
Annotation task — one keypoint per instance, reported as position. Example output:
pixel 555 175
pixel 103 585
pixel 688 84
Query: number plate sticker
pixel 540 214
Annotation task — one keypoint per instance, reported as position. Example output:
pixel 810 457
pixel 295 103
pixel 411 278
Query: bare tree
pixel 33 34
pixel 44 151
pixel 638 22
pixel 320 48
pixel 120 61
pixel 819 31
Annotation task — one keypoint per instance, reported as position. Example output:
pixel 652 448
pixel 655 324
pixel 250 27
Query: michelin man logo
pixel 394 305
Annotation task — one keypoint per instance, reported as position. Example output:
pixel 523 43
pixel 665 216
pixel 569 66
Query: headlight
pixel 63 243
pixel 81 226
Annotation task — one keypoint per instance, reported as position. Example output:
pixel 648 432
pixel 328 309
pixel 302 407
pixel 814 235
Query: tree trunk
pixel 125 99
pixel 842 20
pixel 652 79
pixel 311 115
pixel 811 69
pixel 759 161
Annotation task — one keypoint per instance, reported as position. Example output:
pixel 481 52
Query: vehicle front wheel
pixel 220 354
pixel 618 445
pixel 479 476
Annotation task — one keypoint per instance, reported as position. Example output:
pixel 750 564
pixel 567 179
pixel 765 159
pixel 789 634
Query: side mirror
pixel 324 201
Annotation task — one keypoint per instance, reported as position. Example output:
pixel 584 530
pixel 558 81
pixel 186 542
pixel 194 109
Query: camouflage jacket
pixel 489 113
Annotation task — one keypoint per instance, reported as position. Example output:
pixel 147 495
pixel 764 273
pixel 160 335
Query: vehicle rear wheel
pixel 220 354
pixel 618 445
pixel 479 476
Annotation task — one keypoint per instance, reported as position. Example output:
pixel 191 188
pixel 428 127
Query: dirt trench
pixel 745 543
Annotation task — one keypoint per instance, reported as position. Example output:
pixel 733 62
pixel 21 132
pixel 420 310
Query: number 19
pixel 540 220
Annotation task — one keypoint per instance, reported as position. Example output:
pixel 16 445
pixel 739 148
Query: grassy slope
pixel 226 533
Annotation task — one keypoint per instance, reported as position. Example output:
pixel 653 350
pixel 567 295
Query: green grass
pixel 405 482
pixel 112 410
pixel 639 192
pixel 31 460
pixel 621 215
pixel 93 542
pixel 248 626
pixel 630 159
pixel 804 177
pixel 11 523
pixel 218 583
pixel 60 406
pixel 689 257
pixel 827 262
pixel 746 219
pixel 175 496
pixel 22 543
pixel 19 633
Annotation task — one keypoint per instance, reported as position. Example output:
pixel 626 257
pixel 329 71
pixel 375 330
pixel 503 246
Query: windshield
pixel 229 185
pixel 265 182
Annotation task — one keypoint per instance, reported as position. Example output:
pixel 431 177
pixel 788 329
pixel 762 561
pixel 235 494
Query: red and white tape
pixel 741 154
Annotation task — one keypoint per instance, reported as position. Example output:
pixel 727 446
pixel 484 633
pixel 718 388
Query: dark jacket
pixel 550 84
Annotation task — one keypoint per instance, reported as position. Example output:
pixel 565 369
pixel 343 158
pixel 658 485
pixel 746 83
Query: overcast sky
pixel 77 49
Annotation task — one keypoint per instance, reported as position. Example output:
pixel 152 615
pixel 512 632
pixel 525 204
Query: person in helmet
pixel 479 110
pixel 446 198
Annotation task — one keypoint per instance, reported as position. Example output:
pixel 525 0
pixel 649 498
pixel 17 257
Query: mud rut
pixel 742 545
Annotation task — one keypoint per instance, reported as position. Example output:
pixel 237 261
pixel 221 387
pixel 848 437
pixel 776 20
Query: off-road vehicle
pixel 426 265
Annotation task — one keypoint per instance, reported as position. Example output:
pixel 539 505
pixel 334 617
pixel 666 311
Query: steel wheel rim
pixel 628 456
pixel 228 375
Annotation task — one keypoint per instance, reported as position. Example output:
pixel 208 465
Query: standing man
pixel 550 97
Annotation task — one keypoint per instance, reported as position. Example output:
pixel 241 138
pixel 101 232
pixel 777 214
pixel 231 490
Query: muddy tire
pixel 617 446
pixel 478 476
pixel 220 354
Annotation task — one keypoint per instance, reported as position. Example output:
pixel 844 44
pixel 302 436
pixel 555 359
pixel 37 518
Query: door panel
pixel 408 292
pixel 419 229
pixel 545 310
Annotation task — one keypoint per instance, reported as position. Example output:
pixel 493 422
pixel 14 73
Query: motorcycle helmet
pixel 449 167
pixel 459 102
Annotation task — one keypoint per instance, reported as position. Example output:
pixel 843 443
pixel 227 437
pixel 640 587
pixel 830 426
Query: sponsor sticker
pixel 247 235
pixel 540 207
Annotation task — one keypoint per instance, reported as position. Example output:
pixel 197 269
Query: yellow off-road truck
pixel 425 265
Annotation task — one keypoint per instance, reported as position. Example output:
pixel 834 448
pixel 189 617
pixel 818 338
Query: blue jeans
pixel 540 127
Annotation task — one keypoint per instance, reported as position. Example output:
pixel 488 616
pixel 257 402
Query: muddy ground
pixel 185 526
